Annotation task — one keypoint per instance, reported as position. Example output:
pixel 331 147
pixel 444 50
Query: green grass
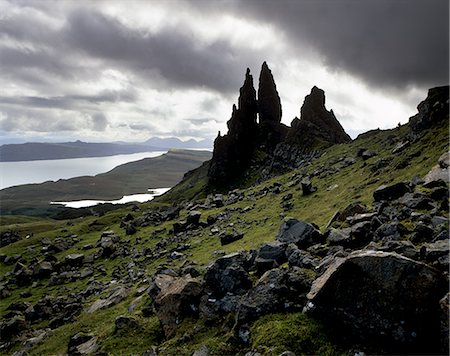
pixel 274 333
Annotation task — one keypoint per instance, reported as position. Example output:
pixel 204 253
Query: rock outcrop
pixel 383 299
pixel 433 109
pixel 316 123
pixel 234 151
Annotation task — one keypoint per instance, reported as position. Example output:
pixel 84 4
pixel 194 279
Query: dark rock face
pixel 383 299
pixel 316 122
pixel 269 103
pixel 269 108
pixel 233 151
pixel 433 109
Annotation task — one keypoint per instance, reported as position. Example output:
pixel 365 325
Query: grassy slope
pixel 260 224
pixel 134 177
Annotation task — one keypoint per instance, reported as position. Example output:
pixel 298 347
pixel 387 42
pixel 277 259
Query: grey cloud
pixel 70 102
pixel 201 121
pixel 174 53
pixel 141 127
pixel 25 119
pixel 100 122
pixel 387 43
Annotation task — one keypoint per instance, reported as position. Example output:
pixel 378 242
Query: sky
pixel 129 70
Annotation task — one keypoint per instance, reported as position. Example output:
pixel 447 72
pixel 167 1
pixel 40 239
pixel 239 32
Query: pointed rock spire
pixel 314 112
pixel 269 104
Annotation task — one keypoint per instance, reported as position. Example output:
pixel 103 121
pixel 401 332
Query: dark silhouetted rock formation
pixel 272 132
pixel 434 108
pixel 269 104
pixel 234 151
pixel 316 123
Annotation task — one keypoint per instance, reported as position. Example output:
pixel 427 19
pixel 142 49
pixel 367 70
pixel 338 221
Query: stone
pixel 116 296
pixel 8 237
pixel 299 232
pixel 400 147
pixel 202 351
pixel 74 260
pixel 227 237
pixel 82 344
pixel 307 187
pixel 339 236
pixel 12 328
pixel 439 172
pixel 227 275
pixel 391 192
pixel 392 231
pixel 43 269
pixel 381 299
pixel 273 251
pixel 276 291
pixel 124 322
pixel 193 217
pixel 177 300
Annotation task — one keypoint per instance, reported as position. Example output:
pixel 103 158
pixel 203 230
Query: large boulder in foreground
pixel 177 299
pixel 382 300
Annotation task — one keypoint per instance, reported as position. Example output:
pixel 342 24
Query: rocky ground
pixel 339 251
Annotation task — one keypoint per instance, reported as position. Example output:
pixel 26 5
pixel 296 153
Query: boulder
pixel 176 300
pixel 124 322
pixel 391 192
pixel 307 187
pixel 8 237
pixel 439 172
pixel 74 260
pixel 299 232
pixel 227 275
pixel 12 328
pixel 381 299
pixel 277 290
pixel 229 236
pixel 116 296
pixel 273 251
pixel 193 217
pixel 82 344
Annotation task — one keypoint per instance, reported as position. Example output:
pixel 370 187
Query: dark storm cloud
pixel 393 43
pixel 173 53
pixel 70 102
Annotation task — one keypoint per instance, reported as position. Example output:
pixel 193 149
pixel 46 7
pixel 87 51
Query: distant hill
pixel 134 177
pixel 173 142
pixel 32 151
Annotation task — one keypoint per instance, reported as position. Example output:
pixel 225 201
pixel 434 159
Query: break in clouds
pixel 130 70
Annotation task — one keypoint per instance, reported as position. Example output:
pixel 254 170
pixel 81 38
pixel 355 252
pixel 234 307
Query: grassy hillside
pixel 258 215
pixel 130 178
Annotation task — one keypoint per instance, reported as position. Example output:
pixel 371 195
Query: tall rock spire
pixel 232 152
pixel 269 104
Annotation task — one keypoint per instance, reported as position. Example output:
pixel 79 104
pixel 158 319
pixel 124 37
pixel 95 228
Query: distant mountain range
pixel 32 151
